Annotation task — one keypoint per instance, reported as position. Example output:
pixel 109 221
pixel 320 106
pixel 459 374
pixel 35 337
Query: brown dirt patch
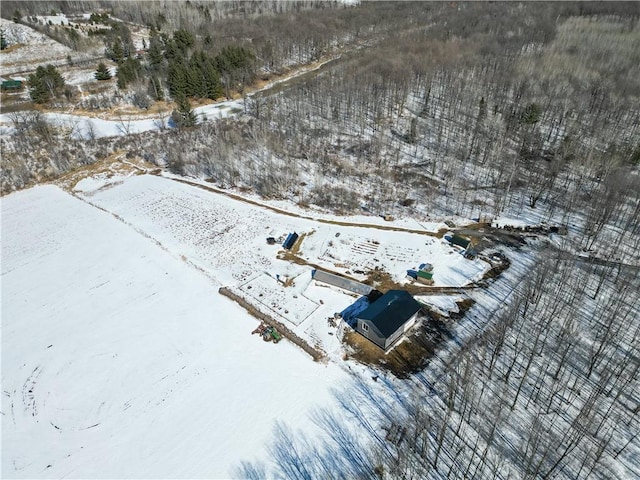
pixel 108 167
pixel 380 280
pixel 409 356
pixel 12 48
pixel 499 263
pixel 463 307
pixel 124 112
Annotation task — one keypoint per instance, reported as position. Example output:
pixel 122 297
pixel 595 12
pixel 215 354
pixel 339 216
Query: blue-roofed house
pixel 388 318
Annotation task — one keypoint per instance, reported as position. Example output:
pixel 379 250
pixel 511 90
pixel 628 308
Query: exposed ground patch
pixel 114 165
pixel 409 356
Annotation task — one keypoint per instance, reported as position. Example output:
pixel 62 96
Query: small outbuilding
pixel 11 85
pixel 459 240
pixel 290 241
pixel 424 277
pixel 341 282
pixel 388 318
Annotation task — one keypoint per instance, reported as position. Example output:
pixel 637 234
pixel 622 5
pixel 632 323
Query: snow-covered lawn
pixel 82 75
pixel 119 359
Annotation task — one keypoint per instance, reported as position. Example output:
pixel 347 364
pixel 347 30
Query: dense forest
pixel 469 109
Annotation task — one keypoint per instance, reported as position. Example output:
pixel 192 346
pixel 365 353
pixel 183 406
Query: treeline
pixel 461 118
pixel 141 14
pixel 485 109
pixel 463 122
pixel 200 74
pixel 281 34
pixel 175 63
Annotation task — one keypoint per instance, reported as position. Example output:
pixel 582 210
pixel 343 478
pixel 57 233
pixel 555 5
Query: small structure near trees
pixel 10 85
pixel 459 240
pixel 290 241
pixel 386 320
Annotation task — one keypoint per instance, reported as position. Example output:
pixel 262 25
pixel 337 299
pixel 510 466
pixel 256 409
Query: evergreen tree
pixel 102 72
pixel 531 114
pixel 52 75
pixel 155 51
pixel 129 70
pixel 195 83
pixel 38 91
pixel 171 50
pixel 45 83
pixel 236 65
pixel 116 53
pixel 3 40
pixel 212 80
pixel 177 78
pixel 183 39
pixel 183 116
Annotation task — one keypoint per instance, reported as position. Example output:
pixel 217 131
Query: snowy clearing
pixel 225 238
pixel 120 360
pixel 443 304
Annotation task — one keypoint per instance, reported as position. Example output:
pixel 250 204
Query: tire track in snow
pixel 28 397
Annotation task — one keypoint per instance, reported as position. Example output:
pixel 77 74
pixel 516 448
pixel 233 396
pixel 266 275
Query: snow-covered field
pixel 119 354
pixel 119 359
pixel 226 239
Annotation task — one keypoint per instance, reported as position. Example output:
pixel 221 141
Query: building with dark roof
pixel 388 318
pixel 290 241
pixel 342 282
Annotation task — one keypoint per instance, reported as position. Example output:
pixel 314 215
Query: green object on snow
pixel 427 275
pixel 460 241
pixel 11 85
